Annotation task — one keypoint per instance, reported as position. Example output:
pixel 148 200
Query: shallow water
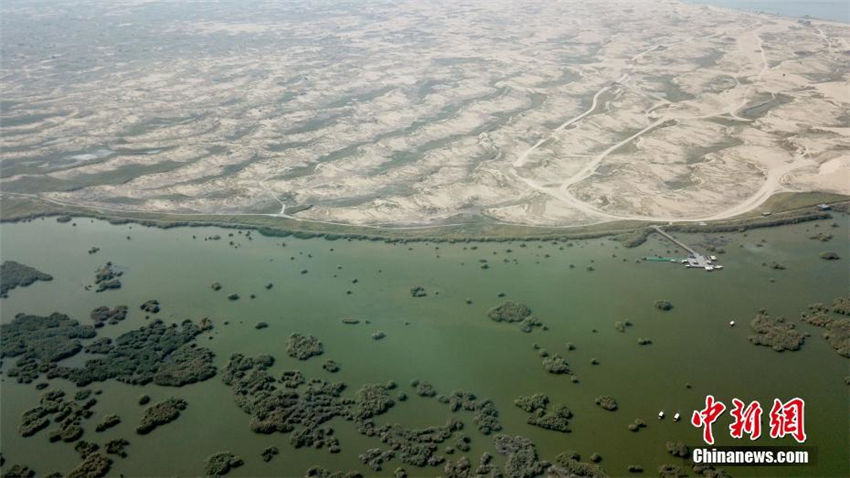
pixel 441 339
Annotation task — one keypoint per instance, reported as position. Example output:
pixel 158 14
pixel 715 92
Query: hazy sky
pixel 838 10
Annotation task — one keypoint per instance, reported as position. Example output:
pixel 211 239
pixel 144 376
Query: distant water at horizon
pixel 834 10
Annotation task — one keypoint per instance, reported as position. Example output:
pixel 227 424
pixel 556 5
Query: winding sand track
pixel 771 185
pixel 524 156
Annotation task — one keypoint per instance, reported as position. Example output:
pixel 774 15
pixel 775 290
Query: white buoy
pixel 661 415
pixel 731 323
pixel 676 417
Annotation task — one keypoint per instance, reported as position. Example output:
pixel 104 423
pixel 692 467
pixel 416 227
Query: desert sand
pixel 421 113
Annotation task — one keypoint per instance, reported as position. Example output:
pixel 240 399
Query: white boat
pixel 676 417
pixel 714 258
pixel 709 268
pixel 731 323
pixel 661 415
pixel 718 266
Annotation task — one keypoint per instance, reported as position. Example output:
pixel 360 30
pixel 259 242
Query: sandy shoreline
pixel 785 209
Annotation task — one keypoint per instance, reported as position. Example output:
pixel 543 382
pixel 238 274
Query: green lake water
pixel 441 339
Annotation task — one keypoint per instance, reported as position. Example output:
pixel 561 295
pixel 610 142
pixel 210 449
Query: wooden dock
pixel 679 243
pixel 694 259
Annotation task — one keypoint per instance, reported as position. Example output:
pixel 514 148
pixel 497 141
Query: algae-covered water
pixel 444 340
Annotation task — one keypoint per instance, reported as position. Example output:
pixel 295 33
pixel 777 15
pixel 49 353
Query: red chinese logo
pixel 707 416
pixel 785 419
pixel 746 420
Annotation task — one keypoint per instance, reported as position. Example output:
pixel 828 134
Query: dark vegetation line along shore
pixel 785 208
